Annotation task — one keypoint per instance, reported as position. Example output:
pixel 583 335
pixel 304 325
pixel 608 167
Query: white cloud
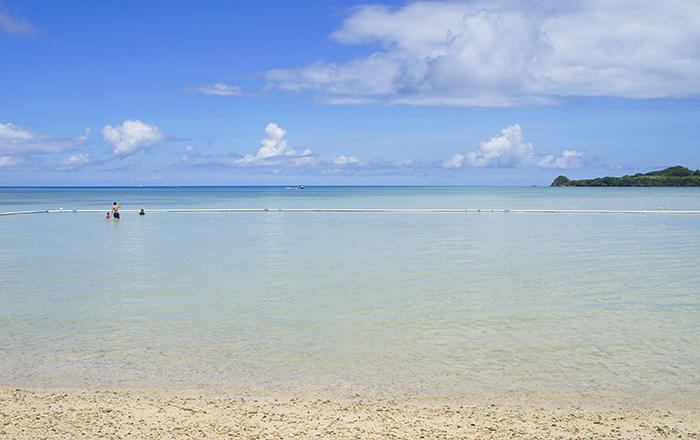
pixel 371 75
pixel 504 53
pixel 15 139
pixel 276 155
pixel 186 156
pixel 220 89
pixel 507 150
pixel 345 160
pixel 273 145
pixel 16 26
pixel 567 159
pixel 75 161
pixel 10 161
pixel 510 151
pixel 131 136
pixel 11 132
pixel 456 161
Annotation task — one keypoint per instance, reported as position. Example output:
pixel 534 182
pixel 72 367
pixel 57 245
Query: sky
pixel 496 92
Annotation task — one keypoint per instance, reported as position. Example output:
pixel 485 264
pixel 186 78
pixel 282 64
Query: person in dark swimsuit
pixel 115 210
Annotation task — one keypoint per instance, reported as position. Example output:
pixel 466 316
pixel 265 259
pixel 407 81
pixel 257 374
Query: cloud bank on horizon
pixel 16 139
pixel 18 144
pixel 505 151
pixel 505 53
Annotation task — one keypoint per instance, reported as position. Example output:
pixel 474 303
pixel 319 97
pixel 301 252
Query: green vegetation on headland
pixel 674 176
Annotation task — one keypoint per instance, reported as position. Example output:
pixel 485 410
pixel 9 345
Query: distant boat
pixel 300 187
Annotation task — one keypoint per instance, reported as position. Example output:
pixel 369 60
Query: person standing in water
pixel 115 210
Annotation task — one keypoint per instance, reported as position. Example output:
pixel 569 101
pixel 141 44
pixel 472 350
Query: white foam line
pixel 599 211
pixel 23 212
pixel 368 210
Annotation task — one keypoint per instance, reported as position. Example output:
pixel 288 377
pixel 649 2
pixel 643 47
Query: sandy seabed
pixel 169 414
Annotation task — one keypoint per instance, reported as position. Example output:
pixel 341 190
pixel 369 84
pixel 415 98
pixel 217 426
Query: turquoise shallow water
pixel 410 302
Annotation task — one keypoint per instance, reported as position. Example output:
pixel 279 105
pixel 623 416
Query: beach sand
pixel 52 414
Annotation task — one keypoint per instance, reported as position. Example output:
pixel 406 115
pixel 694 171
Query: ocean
pixel 385 302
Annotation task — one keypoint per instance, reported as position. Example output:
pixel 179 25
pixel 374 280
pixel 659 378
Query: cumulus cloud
pixel 131 136
pixel 456 161
pixel 74 161
pixel 18 140
pixel 273 145
pixel 220 89
pixel 567 159
pixel 277 156
pixel 504 53
pixel 509 150
pixel 16 26
pixel 11 132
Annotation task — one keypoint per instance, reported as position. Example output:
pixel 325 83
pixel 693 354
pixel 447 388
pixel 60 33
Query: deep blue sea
pixel 363 301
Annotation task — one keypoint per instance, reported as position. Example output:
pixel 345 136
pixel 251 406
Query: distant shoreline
pixel 677 176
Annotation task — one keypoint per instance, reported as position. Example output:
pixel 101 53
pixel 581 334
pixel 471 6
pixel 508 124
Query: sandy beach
pixel 34 414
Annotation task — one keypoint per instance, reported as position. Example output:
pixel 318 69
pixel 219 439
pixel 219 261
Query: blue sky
pixel 345 93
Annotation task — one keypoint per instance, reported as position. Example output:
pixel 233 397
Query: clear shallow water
pixel 18 199
pixel 420 302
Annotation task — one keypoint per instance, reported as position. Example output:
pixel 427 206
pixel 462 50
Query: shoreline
pixel 210 413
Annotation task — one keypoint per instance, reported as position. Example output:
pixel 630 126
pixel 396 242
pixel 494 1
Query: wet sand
pixel 157 414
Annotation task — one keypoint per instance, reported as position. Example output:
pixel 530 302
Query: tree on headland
pixel 560 181
pixel 673 176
